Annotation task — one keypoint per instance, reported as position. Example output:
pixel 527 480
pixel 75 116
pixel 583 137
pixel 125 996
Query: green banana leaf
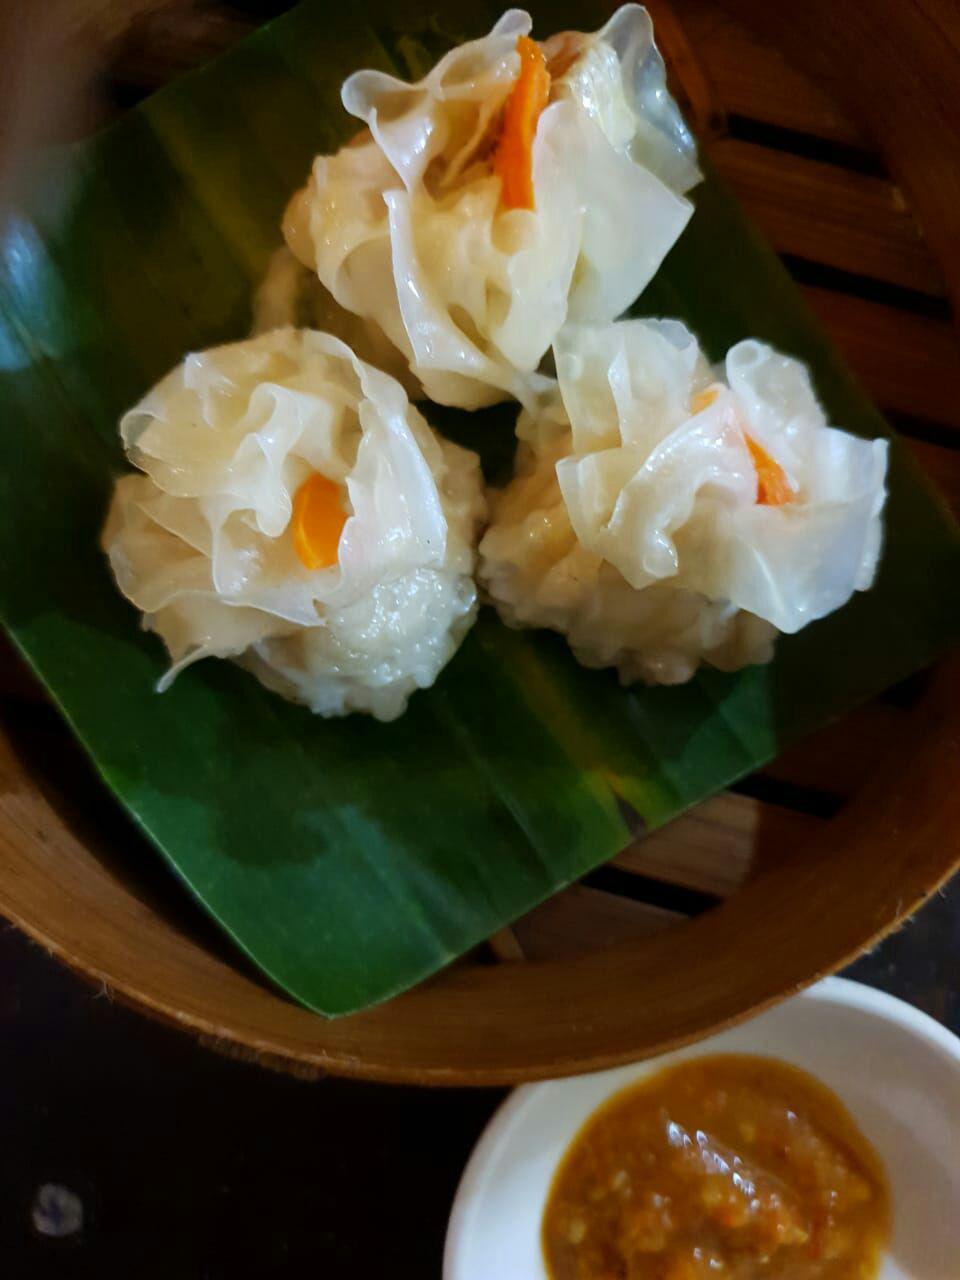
pixel 351 859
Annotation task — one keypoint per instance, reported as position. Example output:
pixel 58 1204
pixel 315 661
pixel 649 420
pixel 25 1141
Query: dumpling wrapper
pixel 290 295
pixel 405 226
pixel 201 541
pixel 633 525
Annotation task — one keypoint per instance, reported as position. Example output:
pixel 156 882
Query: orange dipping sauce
pixel 723 1168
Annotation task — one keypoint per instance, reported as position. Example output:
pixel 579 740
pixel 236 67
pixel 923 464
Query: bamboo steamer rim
pixel 892 846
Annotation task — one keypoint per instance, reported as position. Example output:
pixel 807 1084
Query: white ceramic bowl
pixel 896 1070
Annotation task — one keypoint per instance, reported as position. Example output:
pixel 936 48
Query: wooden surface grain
pixel 892 66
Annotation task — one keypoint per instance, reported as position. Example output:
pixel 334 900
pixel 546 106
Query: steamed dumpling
pixel 664 514
pixel 416 225
pixel 297 514
pixel 290 295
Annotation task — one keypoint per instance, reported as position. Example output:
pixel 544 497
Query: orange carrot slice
pixel 317 523
pixel 703 400
pixel 773 487
pixel 513 158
